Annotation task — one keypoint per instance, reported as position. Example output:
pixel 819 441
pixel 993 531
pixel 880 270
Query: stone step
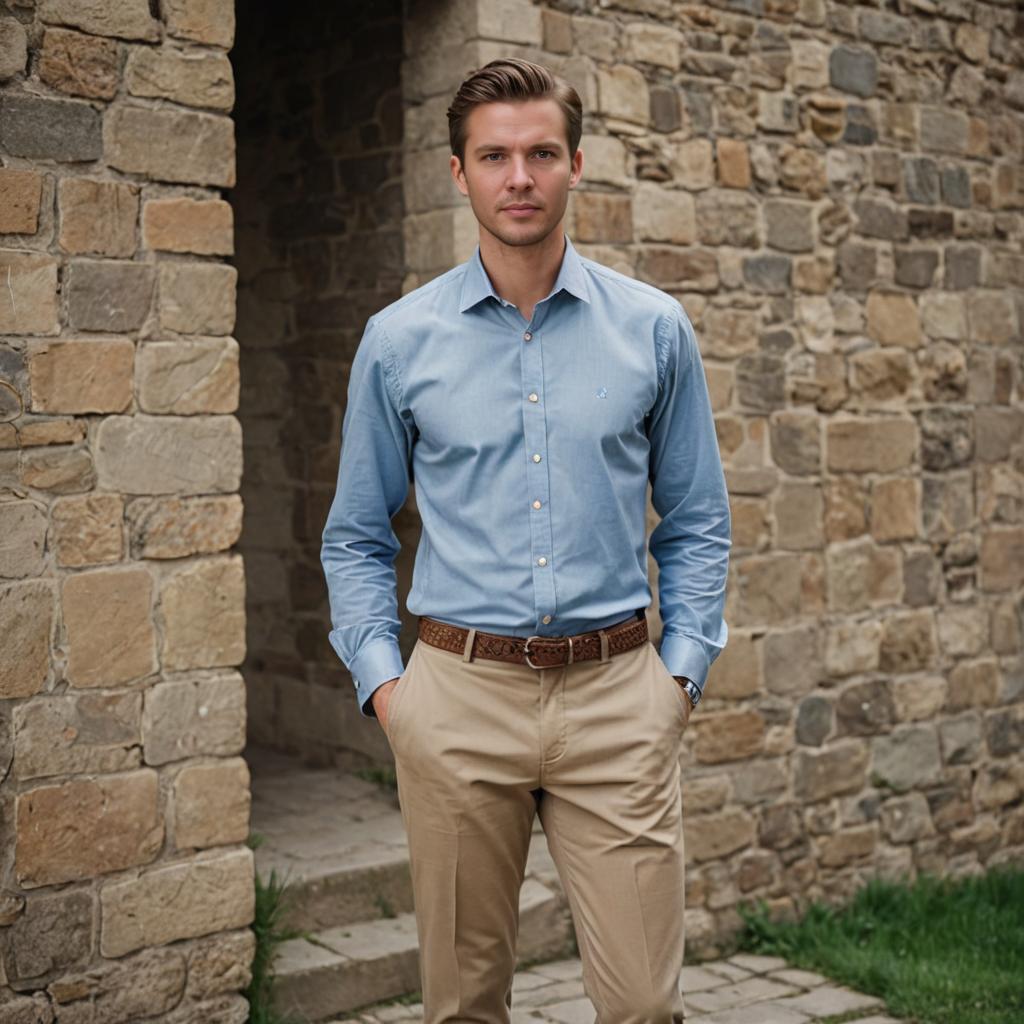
pixel 340 969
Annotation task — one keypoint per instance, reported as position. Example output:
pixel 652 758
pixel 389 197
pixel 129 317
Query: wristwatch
pixel 691 688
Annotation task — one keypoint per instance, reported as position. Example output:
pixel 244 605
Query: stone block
pixel 203 610
pixel 177 901
pixel 880 444
pixel 895 509
pixel 557 28
pixel 864 709
pixel 918 697
pixel 188 376
pixel 38 128
pixel 830 771
pixel 605 160
pixel 109 622
pixel 28 301
pixel 789 225
pixel 974 684
pixel 727 217
pixel 796 442
pixel 98 216
pixel 908 642
pixel 79 64
pixel 947 504
pixel 87 827
pixel 77 733
pixel 882 375
pixel 104 295
pixel 729 736
pixel 13 48
pixel 770 588
pixel 22 539
pixel 220 965
pixel 54 933
pixel 736 672
pixel 658 45
pixel 202 21
pixel 81 376
pixel 944 130
pixel 907 758
pixel 847 846
pixel 167 455
pixel 179 527
pixel 26 624
pixel 21 192
pixel 123 19
pixel 992 316
pixel 814 721
pixel 183 224
pixel 712 836
pixel 136 987
pixel 963 630
pixel 171 145
pixel 603 217
pixel 211 804
pixel 61 471
pixel 733 163
pixel 861 575
pixel 663 215
pixel 852 647
pixel 944 373
pixel 853 69
pixel 893 319
pixel 905 819
pixel 695 269
pixel 1002 558
pixel 87 530
pixel 792 661
pixel 797 508
pixel 193 78
pixel 622 94
pixel 961 738
pixel 947 438
pixel 40 432
pixel 198 298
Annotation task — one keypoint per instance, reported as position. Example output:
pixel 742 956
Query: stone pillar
pixel 125 881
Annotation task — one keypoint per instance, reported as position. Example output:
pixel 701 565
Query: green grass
pixel 940 951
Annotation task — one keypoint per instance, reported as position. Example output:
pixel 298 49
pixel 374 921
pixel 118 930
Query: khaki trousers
pixel 480 747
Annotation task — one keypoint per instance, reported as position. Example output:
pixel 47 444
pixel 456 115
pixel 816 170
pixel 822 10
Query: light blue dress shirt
pixel 531 446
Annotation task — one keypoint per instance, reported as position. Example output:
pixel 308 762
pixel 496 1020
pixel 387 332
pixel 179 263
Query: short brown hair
pixel 508 81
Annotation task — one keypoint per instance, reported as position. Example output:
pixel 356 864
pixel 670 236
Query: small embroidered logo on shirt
pixel 603 393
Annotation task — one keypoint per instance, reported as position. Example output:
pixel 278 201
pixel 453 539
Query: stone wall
pixel 834 192
pixel 126 887
pixel 318 210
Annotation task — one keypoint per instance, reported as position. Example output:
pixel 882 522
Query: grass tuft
pixel 944 951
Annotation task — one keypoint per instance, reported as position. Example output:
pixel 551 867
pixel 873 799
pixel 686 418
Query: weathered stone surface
pixel 881 444
pixel 814 720
pixel 974 684
pixel 905 819
pixel 178 527
pixel 918 697
pixel 947 504
pixel 62 471
pixel 847 845
pixel 87 530
pixel 712 836
pixel 792 661
pixel 211 804
pixel 861 575
pixel 864 709
pixel 906 758
pixel 992 317
pixel 22 539
pixel 798 510
pixel 789 225
pixel 98 216
pixel 736 672
pixel 198 298
pixel 137 987
pixel 188 377
pixel 727 217
pixel 839 768
pixel 195 78
pixel 79 64
pixel 908 641
pixel 13 48
pixel 81 376
pixel 53 933
pixel 663 215
pixel 622 93
pixel 202 21
pixel 1002 558
pixel 167 455
pixel 895 509
pixel 947 438
pixel 882 375
pixel 893 319
pixel 105 295
pixel 26 624
pixel 20 195
pixel 171 145
pixel 28 301
pixel 43 129
pixel 109 622
pixel 177 901
pixel 961 738
pixel 729 736
pixel 853 69
pixel 84 828
pixel 852 647
pixel 203 610
pixel 193 717
pixel 125 19
pixel 76 733
pixel 38 432
pixel 183 224
pixel 770 587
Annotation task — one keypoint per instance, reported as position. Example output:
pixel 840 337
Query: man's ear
pixel 458 174
pixel 576 170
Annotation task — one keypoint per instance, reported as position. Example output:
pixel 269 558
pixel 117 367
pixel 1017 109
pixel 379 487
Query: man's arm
pixel 359 545
pixel 691 543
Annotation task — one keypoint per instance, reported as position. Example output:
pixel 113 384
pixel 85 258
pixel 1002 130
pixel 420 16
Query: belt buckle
pixel 526 650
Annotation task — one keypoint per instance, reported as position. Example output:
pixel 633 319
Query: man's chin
pixel 527 234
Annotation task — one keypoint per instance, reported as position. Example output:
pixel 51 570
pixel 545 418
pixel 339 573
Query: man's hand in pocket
pixel 380 699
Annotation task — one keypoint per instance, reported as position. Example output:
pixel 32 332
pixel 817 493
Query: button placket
pixel 538 483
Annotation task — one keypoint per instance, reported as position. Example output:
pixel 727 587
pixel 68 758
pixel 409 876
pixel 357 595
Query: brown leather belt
pixel 537 651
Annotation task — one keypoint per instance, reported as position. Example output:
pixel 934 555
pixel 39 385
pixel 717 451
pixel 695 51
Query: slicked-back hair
pixel 512 80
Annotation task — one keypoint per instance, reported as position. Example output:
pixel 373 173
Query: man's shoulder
pixel 619 286
pixel 438 295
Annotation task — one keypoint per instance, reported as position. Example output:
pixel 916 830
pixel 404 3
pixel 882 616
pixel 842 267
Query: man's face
pixel 517 171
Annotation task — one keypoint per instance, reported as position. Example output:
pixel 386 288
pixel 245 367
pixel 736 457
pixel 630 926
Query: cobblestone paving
pixel 743 989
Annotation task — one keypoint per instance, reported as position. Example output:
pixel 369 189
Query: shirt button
pixel 536 458
pixel 533 397
pixel 527 336
pixel 536 504
pixel 546 619
pixel 542 560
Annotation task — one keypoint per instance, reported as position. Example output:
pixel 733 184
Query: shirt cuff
pixel 685 657
pixel 374 665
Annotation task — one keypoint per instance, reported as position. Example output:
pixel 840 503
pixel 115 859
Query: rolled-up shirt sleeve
pixel 691 542
pixel 359 545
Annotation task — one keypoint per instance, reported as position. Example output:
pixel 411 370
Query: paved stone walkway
pixel 744 989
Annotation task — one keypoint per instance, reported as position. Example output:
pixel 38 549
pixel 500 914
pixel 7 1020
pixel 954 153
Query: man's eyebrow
pixel 497 147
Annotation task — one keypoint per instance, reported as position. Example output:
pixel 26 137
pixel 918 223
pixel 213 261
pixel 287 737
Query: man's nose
pixel 519 175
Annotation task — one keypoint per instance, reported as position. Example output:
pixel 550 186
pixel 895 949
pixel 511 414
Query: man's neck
pixel 523 274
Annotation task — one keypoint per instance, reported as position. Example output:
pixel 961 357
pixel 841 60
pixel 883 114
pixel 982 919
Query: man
pixel 532 394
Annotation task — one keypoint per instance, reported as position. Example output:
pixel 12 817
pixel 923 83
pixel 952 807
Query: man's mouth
pixel 520 209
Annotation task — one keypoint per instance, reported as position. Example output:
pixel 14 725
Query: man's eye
pixel 489 155
pixel 544 152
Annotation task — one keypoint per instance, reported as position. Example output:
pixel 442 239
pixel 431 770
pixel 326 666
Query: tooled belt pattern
pixel 544 651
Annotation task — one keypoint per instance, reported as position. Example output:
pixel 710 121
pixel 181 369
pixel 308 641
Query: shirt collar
pixel 476 285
